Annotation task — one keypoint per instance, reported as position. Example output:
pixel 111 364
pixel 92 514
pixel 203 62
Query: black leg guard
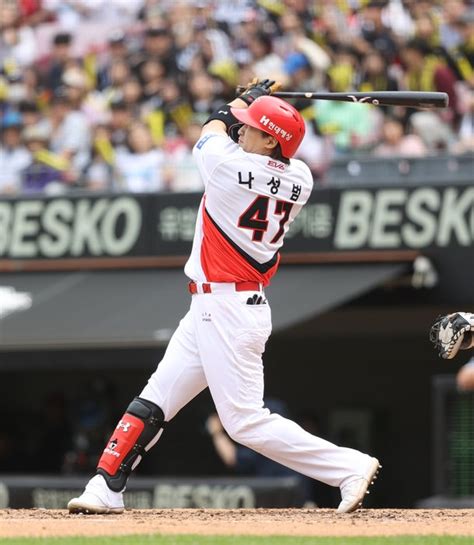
pixel 140 428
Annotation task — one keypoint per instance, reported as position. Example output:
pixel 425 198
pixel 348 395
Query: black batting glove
pixel 257 88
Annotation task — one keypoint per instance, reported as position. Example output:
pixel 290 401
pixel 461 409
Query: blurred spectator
pixel 120 120
pixel 99 173
pixel 266 63
pixel 465 142
pixel 465 377
pixel 181 172
pixel 46 171
pixel 31 114
pixel 53 437
pixel 245 461
pixel 139 167
pixel 317 150
pixel 374 76
pixel 396 144
pixel 34 12
pixel 17 41
pixel 115 75
pixel 428 72
pixel 93 414
pixel 61 57
pixel 299 73
pixel 117 50
pixel 152 75
pixel 375 34
pixel 353 126
pixel 452 10
pixel 437 136
pixel 14 157
pixel 70 133
pixel 463 53
pixel 132 95
pixel 158 44
pixel 167 64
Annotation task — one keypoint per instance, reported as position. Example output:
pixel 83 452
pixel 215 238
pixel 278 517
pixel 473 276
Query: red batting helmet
pixel 276 117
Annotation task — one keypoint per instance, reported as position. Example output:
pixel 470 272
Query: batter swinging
pixel 253 191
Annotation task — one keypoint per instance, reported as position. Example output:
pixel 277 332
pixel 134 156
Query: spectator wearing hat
pixel 14 157
pixel 302 73
pixel 76 86
pixel 316 149
pixel 46 171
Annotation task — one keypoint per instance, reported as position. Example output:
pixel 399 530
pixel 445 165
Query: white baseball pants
pixel 219 343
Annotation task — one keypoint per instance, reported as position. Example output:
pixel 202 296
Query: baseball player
pixel 450 334
pixel 253 192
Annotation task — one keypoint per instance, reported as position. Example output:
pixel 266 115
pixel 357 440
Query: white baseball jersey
pixel 249 203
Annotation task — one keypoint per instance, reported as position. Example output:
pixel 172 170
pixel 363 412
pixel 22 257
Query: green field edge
pixel 187 539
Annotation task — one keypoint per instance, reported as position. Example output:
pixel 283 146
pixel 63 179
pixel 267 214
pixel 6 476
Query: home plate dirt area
pixel 296 522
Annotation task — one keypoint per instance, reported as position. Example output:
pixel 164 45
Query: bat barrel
pixel 414 99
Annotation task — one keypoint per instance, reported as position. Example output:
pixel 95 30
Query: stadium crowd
pixel 110 94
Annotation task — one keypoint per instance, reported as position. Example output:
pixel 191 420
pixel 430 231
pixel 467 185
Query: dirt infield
pixel 297 522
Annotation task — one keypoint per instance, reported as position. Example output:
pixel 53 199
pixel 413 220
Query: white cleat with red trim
pixel 98 499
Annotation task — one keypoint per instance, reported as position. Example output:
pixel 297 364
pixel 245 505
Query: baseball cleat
pixel 354 491
pixel 97 499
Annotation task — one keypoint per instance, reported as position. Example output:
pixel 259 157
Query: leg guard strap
pixel 139 429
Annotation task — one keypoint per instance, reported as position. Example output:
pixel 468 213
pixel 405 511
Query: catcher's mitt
pixel 452 333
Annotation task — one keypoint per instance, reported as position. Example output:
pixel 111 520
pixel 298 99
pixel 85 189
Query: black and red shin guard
pixel 139 429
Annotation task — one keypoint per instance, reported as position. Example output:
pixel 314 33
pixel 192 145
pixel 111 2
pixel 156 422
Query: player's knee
pixel 243 428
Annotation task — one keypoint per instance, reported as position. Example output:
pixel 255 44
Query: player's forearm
pixel 238 103
pixel 220 120
pixel 225 448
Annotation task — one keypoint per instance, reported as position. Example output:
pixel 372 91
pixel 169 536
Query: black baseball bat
pixel 413 99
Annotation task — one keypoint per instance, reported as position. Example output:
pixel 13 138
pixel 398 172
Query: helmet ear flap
pixel 234 131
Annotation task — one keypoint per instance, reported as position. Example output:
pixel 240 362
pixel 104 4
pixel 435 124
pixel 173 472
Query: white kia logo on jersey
pixel 123 425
